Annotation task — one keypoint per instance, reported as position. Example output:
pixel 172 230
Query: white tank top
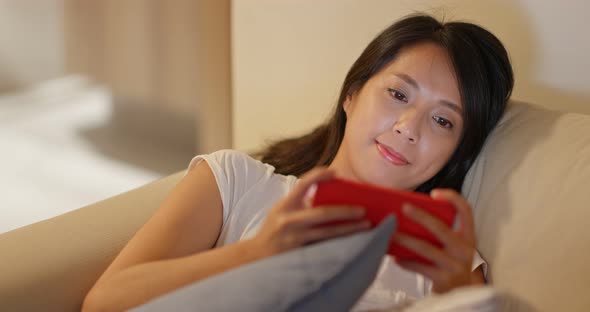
pixel 249 188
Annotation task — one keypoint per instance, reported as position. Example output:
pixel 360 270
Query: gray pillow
pixel 326 276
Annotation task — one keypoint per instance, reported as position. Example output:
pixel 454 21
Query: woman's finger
pixel 466 226
pixel 435 254
pixel 452 242
pixel 322 233
pixel 431 223
pixel 296 197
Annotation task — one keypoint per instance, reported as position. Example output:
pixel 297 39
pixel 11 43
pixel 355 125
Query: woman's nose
pixel 407 126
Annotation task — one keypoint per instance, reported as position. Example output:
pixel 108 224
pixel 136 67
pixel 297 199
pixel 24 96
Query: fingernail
pixel 310 193
pixel 359 211
pixel 407 209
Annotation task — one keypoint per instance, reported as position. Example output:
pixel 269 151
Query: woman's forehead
pixel 422 58
pixel 425 66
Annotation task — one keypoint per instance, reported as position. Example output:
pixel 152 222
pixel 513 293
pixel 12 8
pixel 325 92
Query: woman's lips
pixel 391 155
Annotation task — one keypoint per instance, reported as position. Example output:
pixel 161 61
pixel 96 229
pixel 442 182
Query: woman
pixel 413 113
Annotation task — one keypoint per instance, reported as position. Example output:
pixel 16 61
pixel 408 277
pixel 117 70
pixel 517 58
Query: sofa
pixel 529 188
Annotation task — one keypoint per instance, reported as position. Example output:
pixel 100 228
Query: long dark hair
pixel 485 77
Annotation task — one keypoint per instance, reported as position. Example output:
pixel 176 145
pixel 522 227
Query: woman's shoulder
pixel 237 166
pixel 223 158
pixel 239 159
pixel 238 173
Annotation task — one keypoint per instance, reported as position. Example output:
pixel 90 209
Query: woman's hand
pixel 452 262
pixel 292 222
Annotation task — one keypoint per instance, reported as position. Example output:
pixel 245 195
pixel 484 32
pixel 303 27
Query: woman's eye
pixel 442 122
pixel 398 95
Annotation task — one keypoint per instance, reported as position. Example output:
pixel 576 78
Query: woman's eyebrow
pixel 452 106
pixel 415 84
pixel 407 79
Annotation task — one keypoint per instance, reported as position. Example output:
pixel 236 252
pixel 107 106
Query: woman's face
pixel 405 123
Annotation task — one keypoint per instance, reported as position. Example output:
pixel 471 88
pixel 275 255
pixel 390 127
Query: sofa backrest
pixel 530 191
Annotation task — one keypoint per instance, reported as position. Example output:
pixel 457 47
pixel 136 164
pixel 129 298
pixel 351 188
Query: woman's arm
pixel 138 284
pixel 167 252
pixel 170 250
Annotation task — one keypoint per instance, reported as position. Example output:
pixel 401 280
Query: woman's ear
pixel 347 105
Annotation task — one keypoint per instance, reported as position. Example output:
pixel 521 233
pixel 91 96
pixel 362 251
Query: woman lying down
pixel 413 113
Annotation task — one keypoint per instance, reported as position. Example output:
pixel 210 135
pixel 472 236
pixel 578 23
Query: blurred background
pixel 99 97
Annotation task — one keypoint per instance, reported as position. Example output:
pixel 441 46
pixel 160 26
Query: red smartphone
pixel 380 202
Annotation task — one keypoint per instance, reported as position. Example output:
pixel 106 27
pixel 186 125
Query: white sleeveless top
pixel 249 188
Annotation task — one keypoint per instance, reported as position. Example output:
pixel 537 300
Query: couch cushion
pixel 530 189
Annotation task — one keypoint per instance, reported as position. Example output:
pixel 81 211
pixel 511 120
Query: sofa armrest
pixel 51 265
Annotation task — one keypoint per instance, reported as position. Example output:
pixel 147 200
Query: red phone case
pixel 380 202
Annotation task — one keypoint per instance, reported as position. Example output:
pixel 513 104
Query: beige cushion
pixel 51 265
pixel 530 189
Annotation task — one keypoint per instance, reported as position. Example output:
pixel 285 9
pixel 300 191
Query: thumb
pixel 308 181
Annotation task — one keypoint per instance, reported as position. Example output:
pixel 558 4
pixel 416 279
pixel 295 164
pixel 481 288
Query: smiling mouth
pixel 391 155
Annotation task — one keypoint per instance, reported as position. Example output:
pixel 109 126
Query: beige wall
pixel 290 57
pixel 31 42
pixel 164 55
